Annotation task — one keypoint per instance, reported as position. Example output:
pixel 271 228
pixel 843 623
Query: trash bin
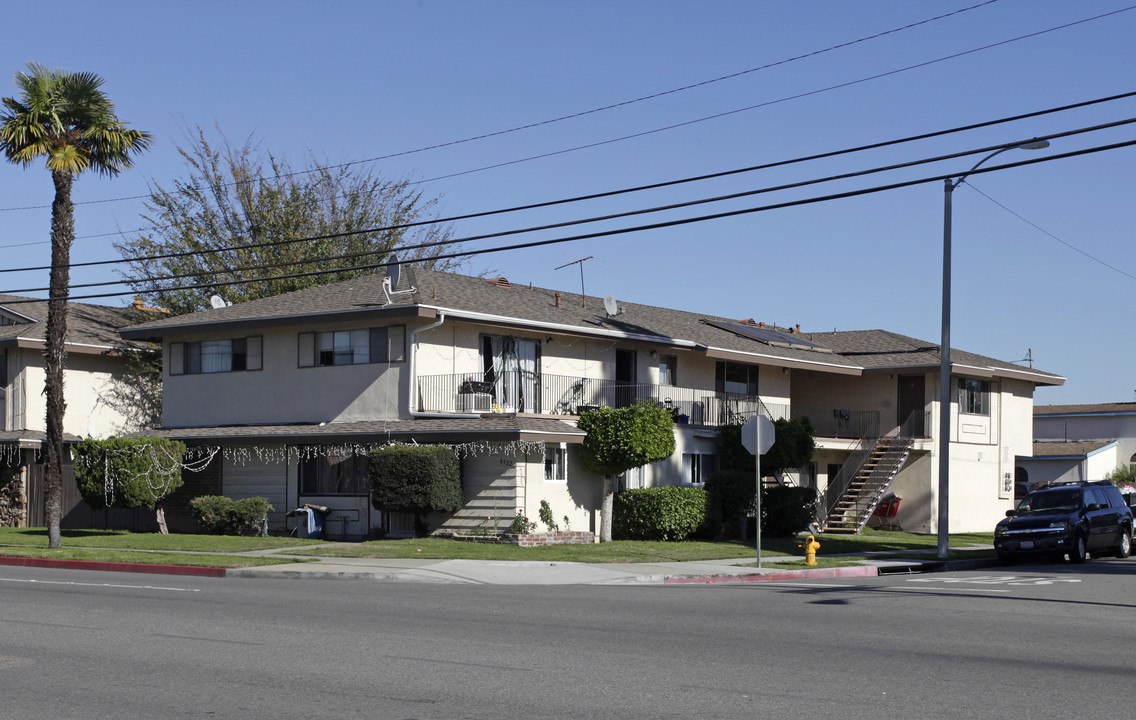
pixel 310 521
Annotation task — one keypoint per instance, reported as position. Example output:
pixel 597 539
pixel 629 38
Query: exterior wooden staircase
pixel 856 491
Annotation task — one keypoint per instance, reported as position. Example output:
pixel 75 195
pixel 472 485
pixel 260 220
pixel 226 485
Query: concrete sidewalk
pixel 499 572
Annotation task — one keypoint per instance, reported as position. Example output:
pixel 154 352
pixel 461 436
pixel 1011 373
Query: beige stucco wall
pixel 1119 427
pixel 813 389
pixel 86 381
pixel 578 498
pixel 282 392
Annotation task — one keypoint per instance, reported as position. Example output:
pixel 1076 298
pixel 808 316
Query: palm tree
pixel 65 118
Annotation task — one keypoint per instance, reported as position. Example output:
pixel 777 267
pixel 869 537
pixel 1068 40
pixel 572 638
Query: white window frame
pixel 358 346
pixel 974 396
pixel 668 370
pixel 696 466
pixel 206 357
pixel 558 462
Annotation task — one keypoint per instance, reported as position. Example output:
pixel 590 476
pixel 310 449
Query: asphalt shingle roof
pixel 1101 408
pixel 524 304
pixel 484 427
pixel 1068 449
pixel 86 324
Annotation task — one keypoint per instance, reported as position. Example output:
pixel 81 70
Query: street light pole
pixel 945 349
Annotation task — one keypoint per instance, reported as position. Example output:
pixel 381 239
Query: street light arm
pixel 1030 145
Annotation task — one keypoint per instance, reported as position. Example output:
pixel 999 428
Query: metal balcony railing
pixel 838 423
pixel 540 393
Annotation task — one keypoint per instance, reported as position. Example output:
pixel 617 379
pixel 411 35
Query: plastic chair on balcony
pixel 567 403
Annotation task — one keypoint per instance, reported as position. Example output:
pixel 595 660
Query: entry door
pixel 913 399
pixel 625 378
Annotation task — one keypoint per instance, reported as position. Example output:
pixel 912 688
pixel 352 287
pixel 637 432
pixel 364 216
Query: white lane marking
pixel 1000 580
pixel 106 585
pixel 950 589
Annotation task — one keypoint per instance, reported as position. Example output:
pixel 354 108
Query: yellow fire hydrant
pixel 811 548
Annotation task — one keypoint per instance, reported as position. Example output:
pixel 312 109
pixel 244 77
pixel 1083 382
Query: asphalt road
pixel 1045 641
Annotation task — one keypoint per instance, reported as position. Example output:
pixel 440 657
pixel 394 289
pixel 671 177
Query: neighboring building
pixel 93 370
pixel 1079 442
pixel 295 388
pixel 1054 462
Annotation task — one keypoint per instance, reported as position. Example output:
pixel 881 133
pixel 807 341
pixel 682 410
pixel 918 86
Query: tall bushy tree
pixel 618 440
pixel 129 473
pixel 66 119
pixel 235 197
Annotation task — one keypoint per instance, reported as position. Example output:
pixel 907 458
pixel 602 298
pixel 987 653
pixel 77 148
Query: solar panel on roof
pixel 768 336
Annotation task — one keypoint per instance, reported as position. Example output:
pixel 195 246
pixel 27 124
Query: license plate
pixel 1026 545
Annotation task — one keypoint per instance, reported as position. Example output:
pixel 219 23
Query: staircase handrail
pixel 860 453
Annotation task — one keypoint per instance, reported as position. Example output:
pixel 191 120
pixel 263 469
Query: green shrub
pixel 786 511
pixel 662 513
pixel 417 479
pixel 127 472
pixel 1123 475
pixel 224 516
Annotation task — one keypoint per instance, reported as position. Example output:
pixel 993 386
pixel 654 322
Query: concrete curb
pixel 187 570
pixel 840 572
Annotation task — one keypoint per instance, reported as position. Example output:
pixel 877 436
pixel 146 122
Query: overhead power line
pixel 640 188
pixel 582 113
pixel 569 223
pixel 637 228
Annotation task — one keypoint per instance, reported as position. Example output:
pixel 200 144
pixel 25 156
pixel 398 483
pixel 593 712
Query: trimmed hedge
pixel 418 479
pixel 220 515
pixel 661 513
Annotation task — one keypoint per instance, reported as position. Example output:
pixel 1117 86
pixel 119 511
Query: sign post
pixel 758 435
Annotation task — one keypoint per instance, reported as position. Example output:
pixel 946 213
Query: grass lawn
pixel 896 544
pixel 123 546
pixel 145 557
pixel 145 548
pixel 124 539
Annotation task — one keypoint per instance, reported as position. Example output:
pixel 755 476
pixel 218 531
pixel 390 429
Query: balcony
pixel 542 394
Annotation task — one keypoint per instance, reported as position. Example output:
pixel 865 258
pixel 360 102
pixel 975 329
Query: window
pixel 974 396
pixel 353 347
pixel 735 378
pixel 696 466
pixel 555 463
pixel 215 356
pixel 334 475
pixel 668 369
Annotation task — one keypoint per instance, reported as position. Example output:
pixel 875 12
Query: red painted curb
pixel 851 571
pixel 115 566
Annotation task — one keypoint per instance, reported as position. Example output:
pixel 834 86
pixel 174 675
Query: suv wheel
pixel 1124 545
pixel 1079 551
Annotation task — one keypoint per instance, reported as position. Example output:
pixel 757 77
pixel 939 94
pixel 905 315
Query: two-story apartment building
pixel 94 369
pixel 296 389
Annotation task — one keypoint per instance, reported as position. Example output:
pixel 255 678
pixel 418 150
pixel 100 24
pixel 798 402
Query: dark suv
pixel 1074 519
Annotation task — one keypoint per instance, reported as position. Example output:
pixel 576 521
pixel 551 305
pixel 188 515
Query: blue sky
pixel 1043 255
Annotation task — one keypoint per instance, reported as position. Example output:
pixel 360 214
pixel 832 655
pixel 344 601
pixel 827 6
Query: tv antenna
pixel 580 262
pixel 1028 358
pixel 390 282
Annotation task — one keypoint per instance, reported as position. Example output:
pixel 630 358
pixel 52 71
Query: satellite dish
pixel 390 282
pixel 217 302
pixel 611 307
pixel 393 271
